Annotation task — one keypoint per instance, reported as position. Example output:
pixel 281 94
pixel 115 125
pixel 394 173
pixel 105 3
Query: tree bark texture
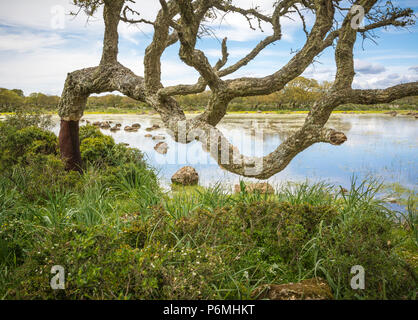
pixel 69 142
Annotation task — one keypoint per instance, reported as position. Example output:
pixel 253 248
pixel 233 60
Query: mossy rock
pixel 309 289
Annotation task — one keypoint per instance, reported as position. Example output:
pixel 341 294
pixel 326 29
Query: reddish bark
pixel 69 143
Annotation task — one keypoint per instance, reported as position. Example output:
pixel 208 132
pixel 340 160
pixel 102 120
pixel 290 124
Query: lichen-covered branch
pixel 314 45
pixel 383 95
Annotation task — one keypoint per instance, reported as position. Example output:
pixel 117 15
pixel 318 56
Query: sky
pixel 40 43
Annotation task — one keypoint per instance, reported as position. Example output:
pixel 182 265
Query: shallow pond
pixel 378 145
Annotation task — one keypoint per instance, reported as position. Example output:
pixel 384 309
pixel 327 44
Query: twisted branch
pixel 110 75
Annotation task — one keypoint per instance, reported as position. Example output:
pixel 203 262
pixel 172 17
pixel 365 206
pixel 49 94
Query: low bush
pixel 366 239
pixel 19 145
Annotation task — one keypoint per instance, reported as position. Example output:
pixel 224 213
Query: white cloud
pixel 371 77
pixel 39 15
pixel 44 70
pixel 27 41
pixel 173 71
pixel 236 27
pixel 415 69
pixel 392 76
pixel 400 56
pixel 365 67
pixel 320 72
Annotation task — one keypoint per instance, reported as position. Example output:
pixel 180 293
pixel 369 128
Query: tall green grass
pixel 238 229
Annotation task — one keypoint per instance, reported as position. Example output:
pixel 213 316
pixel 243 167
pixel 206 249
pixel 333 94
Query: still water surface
pixel 378 145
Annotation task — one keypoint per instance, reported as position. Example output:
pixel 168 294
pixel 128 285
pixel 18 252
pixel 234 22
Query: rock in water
pixel 130 129
pixel 136 125
pixel 161 147
pixel 309 289
pixel 186 176
pixel 261 187
pixel 105 125
pixel 154 127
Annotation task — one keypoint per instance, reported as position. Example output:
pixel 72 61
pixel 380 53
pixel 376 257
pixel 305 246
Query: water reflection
pixel 377 144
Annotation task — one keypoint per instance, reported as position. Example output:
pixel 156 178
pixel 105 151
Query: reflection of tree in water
pixel 281 127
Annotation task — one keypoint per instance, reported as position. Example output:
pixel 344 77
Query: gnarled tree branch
pixel 110 75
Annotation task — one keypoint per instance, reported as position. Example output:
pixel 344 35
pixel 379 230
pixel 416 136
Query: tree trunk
pixel 69 143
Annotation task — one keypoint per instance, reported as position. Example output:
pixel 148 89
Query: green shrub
pixel 121 154
pixel 300 223
pixel 27 117
pixel 12 242
pixel 89 131
pixel 366 239
pixel 99 265
pixel 221 253
pixel 19 145
pixel 96 150
pixel 100 149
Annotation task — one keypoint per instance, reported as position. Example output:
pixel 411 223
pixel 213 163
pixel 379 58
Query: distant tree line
pixel 11 100
pixel 301 93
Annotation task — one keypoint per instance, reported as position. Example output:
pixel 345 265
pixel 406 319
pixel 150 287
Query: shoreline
pixel 242 113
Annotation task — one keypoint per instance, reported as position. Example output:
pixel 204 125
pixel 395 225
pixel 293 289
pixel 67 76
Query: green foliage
pixel 204 250
pixel 101 266
pixel 96 149
pixel 9 100
pixel 25 117
pixel 29 159
pixel 40 100
pixel 20 145
pixel 100 149
pixel 120 237
pixel 40 176
pixel 114 102
pixel 14 100
pixel 366 239
pixel 89 131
